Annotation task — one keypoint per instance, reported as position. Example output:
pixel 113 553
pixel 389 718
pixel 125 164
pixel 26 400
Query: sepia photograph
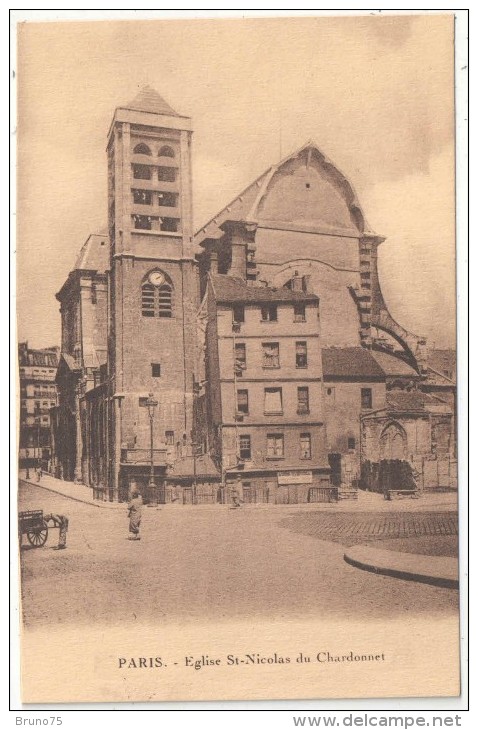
pixel 237 364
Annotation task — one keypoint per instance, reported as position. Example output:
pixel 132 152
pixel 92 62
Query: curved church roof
pixel 249 205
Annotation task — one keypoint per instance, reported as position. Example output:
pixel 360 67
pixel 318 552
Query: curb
pixel 434 570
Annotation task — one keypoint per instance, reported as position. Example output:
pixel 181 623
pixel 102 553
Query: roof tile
pixel 414 400
pixel 94 254
pixel 148 100
pixel 350 362
pixel 230 289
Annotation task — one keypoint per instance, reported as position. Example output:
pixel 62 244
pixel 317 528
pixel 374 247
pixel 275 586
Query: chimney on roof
pixel 213 265
pixel 297 282
pixel 238 259
pixel 240 235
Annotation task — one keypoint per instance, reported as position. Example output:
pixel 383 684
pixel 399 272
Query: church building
pixel 229 357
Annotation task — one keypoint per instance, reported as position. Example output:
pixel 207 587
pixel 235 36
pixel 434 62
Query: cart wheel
pixel 37 536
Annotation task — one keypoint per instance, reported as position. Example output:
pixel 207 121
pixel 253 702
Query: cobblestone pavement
pixel 351 529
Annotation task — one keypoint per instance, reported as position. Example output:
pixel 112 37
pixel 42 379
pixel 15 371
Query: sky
pixel 374 92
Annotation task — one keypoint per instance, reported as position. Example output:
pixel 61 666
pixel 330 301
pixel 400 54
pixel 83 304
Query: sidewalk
pixel 434 570
pixel 366 502
pixel 77 492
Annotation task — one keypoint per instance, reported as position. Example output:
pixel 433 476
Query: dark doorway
pixel 335 463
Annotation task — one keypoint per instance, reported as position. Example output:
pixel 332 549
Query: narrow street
pixel 210 564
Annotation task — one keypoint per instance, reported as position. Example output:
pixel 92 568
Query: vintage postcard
pixel 237 359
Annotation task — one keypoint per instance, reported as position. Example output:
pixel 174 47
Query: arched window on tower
pixel 147 300
pixel 165 301
pixel 142 149
pixel 166 151
pixel 157 296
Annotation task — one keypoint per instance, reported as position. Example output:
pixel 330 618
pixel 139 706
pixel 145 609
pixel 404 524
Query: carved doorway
pixel 393 442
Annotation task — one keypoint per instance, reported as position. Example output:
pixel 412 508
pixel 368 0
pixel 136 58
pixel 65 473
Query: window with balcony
pixel 240 363
pixel 366 398
pixel 142 197
pixel 243 401
pixel 301 354
pixel 245 448
pixel 275 445
pixel 273 401
pixel 167 174
pixel 141 172
pixel 305 446
pixel 142 149
pixel 269 313
pixel 166 151
pixel 270 355
pixel 169 224
pixel 303 399
pixel 170 200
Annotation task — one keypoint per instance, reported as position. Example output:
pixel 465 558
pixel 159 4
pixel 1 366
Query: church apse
pixel 303 215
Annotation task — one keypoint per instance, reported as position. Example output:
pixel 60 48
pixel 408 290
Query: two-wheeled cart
pixel 34 526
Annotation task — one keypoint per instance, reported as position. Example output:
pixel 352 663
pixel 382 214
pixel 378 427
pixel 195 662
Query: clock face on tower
pixel 156 278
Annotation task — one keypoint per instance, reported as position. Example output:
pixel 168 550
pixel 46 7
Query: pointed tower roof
pixel 148 100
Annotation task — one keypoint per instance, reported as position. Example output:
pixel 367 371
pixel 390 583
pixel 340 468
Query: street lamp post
pixel 38 446
pixel 194 446
pixel 151 404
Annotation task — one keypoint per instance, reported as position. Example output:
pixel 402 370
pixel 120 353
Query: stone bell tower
pixel 153 287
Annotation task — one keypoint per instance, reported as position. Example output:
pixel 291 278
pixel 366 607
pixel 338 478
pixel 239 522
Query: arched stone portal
pixel 393 442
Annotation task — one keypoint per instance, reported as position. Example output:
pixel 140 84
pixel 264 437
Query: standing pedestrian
pixel 236 502
pixel 135 508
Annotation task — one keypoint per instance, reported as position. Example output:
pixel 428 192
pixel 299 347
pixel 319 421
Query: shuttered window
pixel 164 301
pixel 157 301
pixel 147 300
